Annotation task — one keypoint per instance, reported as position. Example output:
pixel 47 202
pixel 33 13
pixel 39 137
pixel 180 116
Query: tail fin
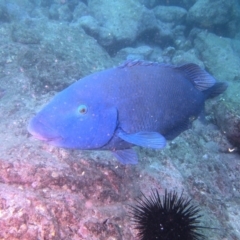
pixel 202 80
pixel 216 89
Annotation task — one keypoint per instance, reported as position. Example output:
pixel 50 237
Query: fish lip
pixel 46 138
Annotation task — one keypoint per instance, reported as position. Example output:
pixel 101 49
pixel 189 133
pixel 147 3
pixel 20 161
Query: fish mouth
pixel 43 132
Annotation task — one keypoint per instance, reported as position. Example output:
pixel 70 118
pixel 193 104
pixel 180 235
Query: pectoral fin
pixel 144 139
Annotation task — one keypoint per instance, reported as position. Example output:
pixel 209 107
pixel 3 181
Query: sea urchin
pixel 169 218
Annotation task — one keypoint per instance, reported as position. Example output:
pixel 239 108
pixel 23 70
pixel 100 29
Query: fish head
pixel 75 120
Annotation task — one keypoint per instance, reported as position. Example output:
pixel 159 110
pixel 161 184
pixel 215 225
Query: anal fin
pixel 126 156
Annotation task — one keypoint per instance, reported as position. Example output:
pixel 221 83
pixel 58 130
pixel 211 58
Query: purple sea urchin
pixel 169 218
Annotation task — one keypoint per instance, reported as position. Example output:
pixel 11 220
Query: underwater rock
pixel 154 3
pixel 92 28
pixel 218 54
pixel 125 22
pixel 120 17
pixel 2 92
pixel 60 12
pixel 25 33
pixel 142 52
pixel 207 13
pixel 161 32
pixel 4 16
pixel 41 201
pixel 53 11
pixel 170 14
pixel 14 11
pixel 229 121
pixel 182 57
pixel 80 10
pixel 66 53
pixel 89 24
pixel 46 3
pixel 64 13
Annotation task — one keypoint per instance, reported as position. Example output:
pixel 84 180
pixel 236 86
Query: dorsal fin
pixel 199 77
pixel 131 63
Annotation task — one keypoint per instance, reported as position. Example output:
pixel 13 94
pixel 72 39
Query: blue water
pixel 45 45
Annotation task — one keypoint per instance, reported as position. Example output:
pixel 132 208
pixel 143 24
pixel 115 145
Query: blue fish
pixel 138 103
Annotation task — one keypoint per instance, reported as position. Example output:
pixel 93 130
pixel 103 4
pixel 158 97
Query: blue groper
pixel 138 103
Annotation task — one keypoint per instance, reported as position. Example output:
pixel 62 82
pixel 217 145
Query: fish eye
pixel 82 109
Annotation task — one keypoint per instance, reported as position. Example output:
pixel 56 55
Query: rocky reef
pixel 45 45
